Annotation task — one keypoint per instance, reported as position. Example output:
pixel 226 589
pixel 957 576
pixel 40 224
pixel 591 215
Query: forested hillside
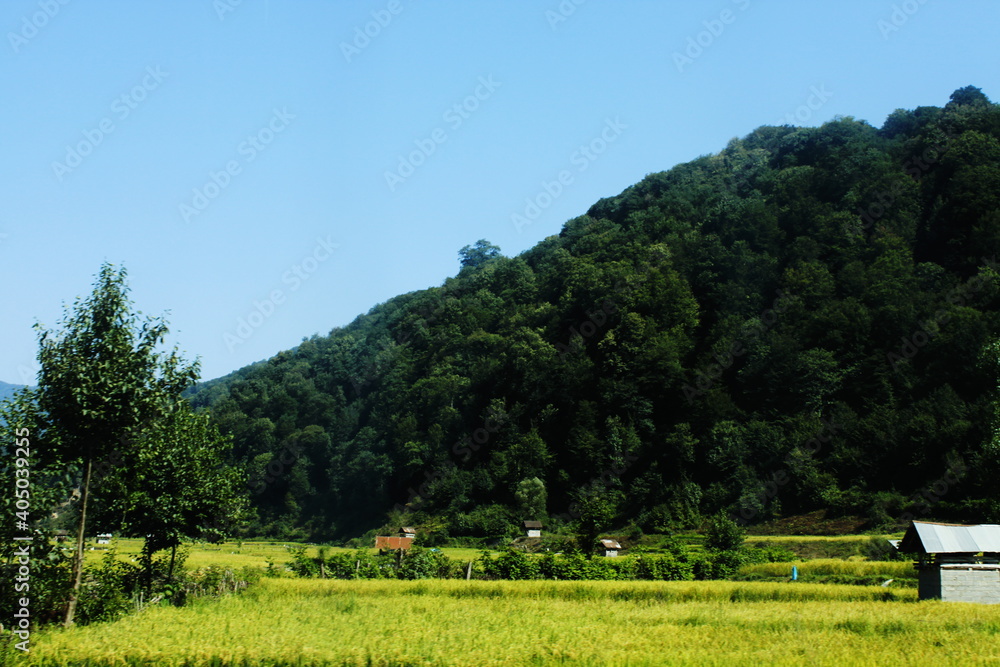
pixel 806 320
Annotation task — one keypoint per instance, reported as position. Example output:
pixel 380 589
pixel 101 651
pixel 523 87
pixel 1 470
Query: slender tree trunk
pixel 78 556
pixel 173 557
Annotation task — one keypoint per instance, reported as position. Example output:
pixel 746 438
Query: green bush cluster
pixel 515 564
pixel 417 563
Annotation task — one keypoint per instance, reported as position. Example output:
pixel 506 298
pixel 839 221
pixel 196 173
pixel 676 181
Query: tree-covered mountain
pixel 805 320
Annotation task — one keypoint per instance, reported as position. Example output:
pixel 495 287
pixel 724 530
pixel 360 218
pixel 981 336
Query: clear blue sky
pixel 308 130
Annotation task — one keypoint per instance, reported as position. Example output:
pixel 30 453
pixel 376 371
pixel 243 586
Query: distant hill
pixel 7 390
pixel 807 320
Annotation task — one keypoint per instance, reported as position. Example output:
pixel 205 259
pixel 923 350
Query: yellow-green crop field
pixel 237 555
pixel 291 621
pixel 448 622
pixel 832 566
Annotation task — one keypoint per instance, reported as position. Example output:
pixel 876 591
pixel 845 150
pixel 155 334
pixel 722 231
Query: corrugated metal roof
pixel 611 544
pixel 533 524
pixel 947 538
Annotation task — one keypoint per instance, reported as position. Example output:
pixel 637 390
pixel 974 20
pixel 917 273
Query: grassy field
pixel 235 554
pixel 895 574
pixel 764 620
pixel 307 622
pixel 819 546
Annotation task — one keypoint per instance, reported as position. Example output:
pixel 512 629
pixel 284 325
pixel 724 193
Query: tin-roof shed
pixel 948 538
pixel 611 547
pixel 957 563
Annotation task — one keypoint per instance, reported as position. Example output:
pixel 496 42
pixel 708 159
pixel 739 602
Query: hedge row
pixel 419 563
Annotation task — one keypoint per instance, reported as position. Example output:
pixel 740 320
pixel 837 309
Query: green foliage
pixel 420 563
pixel 724 534
pixel 511 564
pixel 475 255
pixel 181 487
pixel 531 497
pixel 771 554
pixel 667 567
pixel 494 521
pixel 109 589
pixel 596 507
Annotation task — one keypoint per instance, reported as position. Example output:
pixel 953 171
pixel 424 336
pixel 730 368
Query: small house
pixel 104 538
pixel 402 541
pixel 956 563
pixel 533 528
pixel 610 547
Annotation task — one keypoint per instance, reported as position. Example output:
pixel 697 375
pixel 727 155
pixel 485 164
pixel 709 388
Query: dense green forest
pixel 805 320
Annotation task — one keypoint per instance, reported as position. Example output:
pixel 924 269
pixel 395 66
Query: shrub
pixel 422 564
pixel 511 564
pixel 772 554
pixel 302 565
pixel 494 521
pixel 51 580
pixel 718 564
pixel 724 534
pixel 108 591
pixel 663 568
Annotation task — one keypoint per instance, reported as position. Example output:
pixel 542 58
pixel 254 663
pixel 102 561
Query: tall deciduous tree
pixel 101 383
pixel 531 496
pixel 176 485
pixel 477 254
pixel 596 507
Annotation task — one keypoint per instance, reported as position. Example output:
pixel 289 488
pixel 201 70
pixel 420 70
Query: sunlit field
pixel 239 554
pixel 306 622
pixel 893 570
pixel 292 621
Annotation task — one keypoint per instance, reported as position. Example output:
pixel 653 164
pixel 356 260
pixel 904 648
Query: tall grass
pixel 433 622
pixel 833 566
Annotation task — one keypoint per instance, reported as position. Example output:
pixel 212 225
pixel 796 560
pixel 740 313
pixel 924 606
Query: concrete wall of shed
pixel 972 585
pixel 952 584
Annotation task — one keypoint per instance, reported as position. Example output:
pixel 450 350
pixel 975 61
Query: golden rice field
pixel 434 622
pixel 832 566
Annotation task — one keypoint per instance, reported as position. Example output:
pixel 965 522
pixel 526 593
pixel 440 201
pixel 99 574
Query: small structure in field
pixel 402 541
pixel 104 538
pixel 956 563
pixel 610 547
pixel 533 528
